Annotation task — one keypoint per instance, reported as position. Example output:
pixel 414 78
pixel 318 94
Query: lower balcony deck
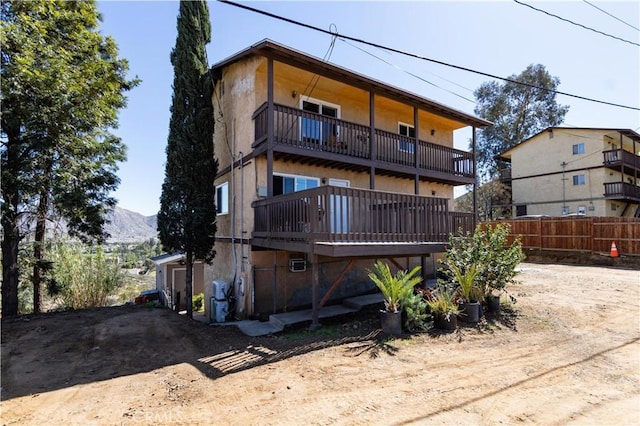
pixel 349 222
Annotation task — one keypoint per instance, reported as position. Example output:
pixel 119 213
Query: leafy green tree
pixel 518 111
pixel 63 85
pixel 186 220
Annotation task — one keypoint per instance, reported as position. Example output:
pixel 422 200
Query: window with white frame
pixel 579 180
pixel 578 148
pixel 286 184
pixel 222 198
pixel 410 132
pixel 318 130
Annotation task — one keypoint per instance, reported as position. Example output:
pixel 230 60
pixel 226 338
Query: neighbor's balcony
pixel 621 160
pixel 622 191
pixel 327 139
pixel 338 215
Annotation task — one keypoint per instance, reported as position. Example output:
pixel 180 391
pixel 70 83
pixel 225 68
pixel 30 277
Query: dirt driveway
pixel 569 353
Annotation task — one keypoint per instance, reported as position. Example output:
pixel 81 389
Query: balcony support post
pixel 270 127
pixel 416 151
pixel 475 177
pixel 315 291
pixel 373 146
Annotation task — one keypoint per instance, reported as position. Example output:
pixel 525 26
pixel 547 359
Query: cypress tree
pixel 186 220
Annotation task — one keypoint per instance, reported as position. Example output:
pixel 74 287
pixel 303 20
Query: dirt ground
pixel 567 353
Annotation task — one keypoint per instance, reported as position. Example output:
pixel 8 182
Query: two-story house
pixel 584 171
pixel 321 171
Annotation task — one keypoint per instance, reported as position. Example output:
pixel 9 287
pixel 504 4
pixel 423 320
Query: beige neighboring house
pixel 321 171
pixel 570 170
pixel 171 279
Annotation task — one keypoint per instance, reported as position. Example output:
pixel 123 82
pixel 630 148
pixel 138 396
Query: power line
pixel 614 17
pixel 413 55
pixel 407 72
pixel 575 23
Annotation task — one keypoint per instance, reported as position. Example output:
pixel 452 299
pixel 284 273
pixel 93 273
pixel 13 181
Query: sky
pixel 500 38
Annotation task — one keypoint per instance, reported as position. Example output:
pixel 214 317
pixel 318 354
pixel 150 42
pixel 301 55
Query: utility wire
pixel 575 23
pixel 405 71
pixel 614 17
pixel 413 55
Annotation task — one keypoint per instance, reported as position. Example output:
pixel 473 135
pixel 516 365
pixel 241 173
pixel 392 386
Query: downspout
pixel 475 177
pixel 233 206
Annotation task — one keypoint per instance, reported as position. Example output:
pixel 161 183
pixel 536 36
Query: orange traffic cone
pixel 614 250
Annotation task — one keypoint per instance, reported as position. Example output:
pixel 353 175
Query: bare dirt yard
pixel 567 353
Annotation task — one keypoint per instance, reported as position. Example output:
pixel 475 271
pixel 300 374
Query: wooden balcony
pixel 338 221
pixel 622 161
pixel 622 191
pixel 312 138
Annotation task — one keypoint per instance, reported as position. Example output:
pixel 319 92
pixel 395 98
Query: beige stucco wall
pixel 538 178
pixel 241 90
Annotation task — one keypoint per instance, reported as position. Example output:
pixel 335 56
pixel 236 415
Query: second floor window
pixel 319 130
pixel 579 180
pixel 283 184
pixel 222 198
pixel 410 132
pixel 578 148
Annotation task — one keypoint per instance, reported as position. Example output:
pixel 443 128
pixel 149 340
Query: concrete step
pixel 258 328
pixel 360 302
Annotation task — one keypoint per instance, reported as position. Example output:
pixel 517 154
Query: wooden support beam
pixel 392 260
pixel 333 287
pixel 315 306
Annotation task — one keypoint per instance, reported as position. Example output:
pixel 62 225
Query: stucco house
pixel 321 171
pixel 571 170
pixel 171 279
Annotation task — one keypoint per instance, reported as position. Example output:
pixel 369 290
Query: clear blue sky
pixel 500 38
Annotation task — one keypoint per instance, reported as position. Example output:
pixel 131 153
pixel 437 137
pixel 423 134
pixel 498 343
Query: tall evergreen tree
pixel 518 111
pixel 186 220
pixel 63 85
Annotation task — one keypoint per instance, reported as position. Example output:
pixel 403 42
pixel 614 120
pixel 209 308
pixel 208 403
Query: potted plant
pixel 469 306
pixel 395 289
pixel 444 308
pixel 489 248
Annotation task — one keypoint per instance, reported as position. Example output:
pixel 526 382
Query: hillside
pixel 128 226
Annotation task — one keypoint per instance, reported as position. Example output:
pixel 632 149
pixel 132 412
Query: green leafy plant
pixel 488 248
pixel 83 280
pixel 395 288
pixel 466 281
pixel 442 301
pixel 198 302
pixel 416 309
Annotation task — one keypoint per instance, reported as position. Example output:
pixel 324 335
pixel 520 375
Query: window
pixel 286 184
pixel 579 180
pixel 222 198
pixel 319 131
pixel 409 131
pixel 578 148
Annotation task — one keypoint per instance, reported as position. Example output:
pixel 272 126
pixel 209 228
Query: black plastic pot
pixel 446 322
pixel 391 322
pixel 469 312
pixel 493 304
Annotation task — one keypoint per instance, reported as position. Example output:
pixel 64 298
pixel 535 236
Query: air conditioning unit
pixel 297 265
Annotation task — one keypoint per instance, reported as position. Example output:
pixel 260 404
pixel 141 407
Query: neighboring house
pixel 584 171
pixel 322 170
pixel 171 279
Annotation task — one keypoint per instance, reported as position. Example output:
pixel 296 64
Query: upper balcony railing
pixel 340 214
pixel 316 132
pixel 620 159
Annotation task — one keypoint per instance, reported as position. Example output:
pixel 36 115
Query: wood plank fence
pixel 579 234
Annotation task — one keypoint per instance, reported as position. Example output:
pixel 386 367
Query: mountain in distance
pixel 127 226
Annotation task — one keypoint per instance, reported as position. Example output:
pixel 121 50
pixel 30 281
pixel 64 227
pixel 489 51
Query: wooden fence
pixel 580 234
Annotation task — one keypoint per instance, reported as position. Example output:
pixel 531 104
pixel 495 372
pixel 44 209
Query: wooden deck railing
pixel 310 131
pixel 621 157
pixel 622 190
pixel 337 214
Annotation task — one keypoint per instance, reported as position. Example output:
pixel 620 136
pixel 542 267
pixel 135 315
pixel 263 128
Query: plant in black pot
pixel 395 289
pixel 467 290
pixel 443 307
